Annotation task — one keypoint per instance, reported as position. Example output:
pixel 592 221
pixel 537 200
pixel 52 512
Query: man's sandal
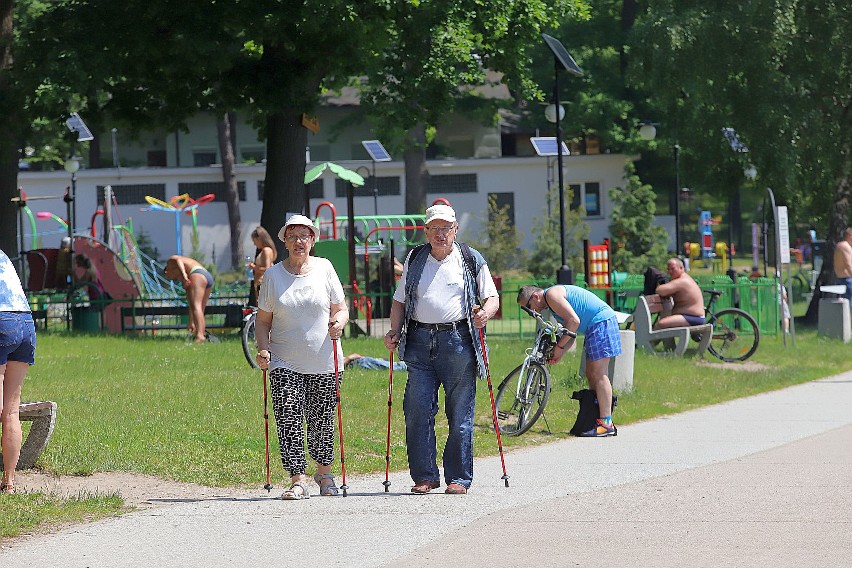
pixel 292 494
pixel 328 490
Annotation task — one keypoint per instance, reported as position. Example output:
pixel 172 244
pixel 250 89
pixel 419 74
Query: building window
pixel 217 188
pixel 503 200
pixel 385 185
pixel 589 194
pixel 201 158
pixel 156 158
pixel 133 194
pixel 452 183
pixel 592 199
pixel 253 154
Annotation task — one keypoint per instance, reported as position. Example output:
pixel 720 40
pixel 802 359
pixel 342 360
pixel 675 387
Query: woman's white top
pixel 12 297
pixel 300 305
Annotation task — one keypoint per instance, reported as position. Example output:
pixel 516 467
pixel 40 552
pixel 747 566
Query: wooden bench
pixel 233 317
pixel 43 416
pixel 675 339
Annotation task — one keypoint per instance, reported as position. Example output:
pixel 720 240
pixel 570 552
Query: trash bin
pixel 834 319
pixel 85 319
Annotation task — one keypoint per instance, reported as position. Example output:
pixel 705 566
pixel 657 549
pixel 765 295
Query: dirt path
pixel 140 491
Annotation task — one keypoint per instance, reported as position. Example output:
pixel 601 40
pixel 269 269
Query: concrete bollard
pixel 834 319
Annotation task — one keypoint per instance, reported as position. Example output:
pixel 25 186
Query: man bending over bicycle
pixel 687 305
pixel 581 311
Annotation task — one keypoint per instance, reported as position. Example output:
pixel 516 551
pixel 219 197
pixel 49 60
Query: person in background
pixel 198 283
pixel 17 353
pixel 435 322
pixel 63 264
pixel 687 301
pixel 301 314
pixel 581 311
pixel 266 255
pixel 86 274
pixel 843 262
pixel 372 363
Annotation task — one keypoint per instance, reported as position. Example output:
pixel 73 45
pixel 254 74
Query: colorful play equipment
pixel 177 205
pixel 597 264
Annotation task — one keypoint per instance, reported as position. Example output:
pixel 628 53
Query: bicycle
pixel 735 332
pixel 520 407
pixel 247 335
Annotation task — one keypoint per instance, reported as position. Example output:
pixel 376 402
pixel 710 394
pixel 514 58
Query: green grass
pixel 36 511
pixel 193 413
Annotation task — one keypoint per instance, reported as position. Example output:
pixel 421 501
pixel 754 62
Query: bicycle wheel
pixel 521 400
pixel 735 335
pixel 249 342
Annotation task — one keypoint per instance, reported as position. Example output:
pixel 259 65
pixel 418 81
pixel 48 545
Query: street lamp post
pixel 648 131
pixel 561 60
pixel 72 165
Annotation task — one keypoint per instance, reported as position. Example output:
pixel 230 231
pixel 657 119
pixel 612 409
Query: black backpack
pixel 589 412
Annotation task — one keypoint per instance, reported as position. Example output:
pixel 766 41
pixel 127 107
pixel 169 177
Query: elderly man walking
pixel 446 294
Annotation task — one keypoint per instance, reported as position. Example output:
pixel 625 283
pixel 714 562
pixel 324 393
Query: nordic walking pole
pixel 268 485
pixel 387 482
pixel 339 416
pixel 505 477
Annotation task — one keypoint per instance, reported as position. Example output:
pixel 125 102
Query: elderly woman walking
pixel 301 309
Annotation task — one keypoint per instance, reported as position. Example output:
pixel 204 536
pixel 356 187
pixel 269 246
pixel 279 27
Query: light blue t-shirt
pixel 588 307
pixel 12 297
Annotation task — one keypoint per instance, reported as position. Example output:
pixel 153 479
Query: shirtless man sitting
pixel 687 306
pixel 843 262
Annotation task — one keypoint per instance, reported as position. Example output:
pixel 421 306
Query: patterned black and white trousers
pixel 298 399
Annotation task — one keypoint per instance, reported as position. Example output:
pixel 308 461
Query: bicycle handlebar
pixel 559 328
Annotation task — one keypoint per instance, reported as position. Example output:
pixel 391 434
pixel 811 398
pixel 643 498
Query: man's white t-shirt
pixel 440 292
pixel 300 305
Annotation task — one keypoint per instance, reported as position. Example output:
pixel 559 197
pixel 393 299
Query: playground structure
pixel 376 235
pixel 177 205
pixel 125 274
pixel 708 252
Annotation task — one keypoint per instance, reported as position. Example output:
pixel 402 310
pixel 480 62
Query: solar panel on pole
pixel 546 146
pixel 376 151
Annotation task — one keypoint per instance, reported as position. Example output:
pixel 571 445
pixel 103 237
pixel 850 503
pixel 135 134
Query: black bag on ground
pixel 588 413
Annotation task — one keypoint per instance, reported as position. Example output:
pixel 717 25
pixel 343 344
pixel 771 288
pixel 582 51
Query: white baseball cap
pixel 440 212
pixel 299 220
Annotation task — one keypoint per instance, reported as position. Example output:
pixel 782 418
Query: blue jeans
pixel 17 338
pixel 448 359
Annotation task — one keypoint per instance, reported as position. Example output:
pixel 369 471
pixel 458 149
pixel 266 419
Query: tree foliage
pixel 636 242
pixel 500 241
pixel 547 254
pixel 780 73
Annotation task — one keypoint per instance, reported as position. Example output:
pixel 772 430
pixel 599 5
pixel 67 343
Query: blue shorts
pixel 602 340
pixel 848 283
pixel 694 320
pixel 17 338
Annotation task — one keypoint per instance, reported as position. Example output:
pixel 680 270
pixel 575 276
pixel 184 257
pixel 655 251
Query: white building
pixel 163 165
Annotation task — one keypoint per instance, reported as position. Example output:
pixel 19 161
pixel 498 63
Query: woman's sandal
pixel 292 494
pixel 328 490
pixel 7 488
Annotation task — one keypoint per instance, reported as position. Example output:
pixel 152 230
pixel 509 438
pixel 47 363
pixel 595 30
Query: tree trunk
pixel 284 186
pixel 232 195
pixel 10 110
pixel 416 174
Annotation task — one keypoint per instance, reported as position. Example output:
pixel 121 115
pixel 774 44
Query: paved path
pixel 762 481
